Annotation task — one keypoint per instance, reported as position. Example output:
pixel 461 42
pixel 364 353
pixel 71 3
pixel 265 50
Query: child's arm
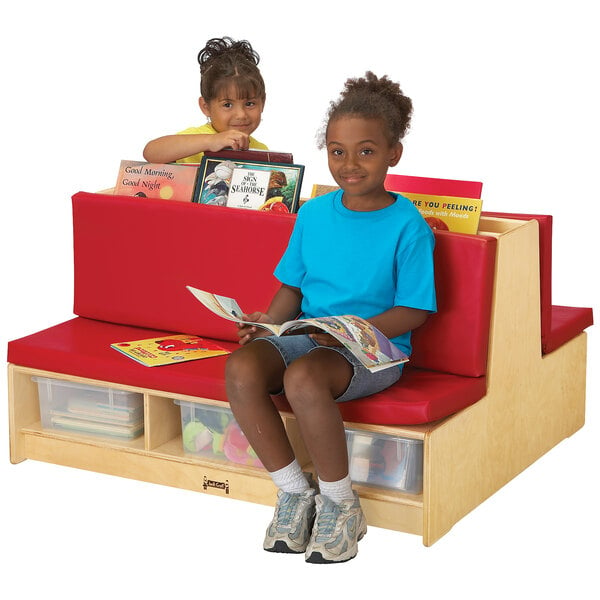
pixel 284 307
pixel 399 320
pixel 170 148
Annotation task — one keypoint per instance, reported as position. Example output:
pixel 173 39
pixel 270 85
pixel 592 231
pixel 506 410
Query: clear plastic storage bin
pixel 90 410
pixel 213 432
pixel 385 460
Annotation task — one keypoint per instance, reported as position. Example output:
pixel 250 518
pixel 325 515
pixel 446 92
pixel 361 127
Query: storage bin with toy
pixel 385 460
pixel 212 432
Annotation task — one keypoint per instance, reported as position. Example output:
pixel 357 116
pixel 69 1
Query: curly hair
pixel 372 97
pixel 223 62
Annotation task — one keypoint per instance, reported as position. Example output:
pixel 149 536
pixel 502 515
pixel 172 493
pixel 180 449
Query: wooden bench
pixel 473 395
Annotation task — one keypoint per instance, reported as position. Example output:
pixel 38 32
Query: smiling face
pixel 229 111
pixel 359 156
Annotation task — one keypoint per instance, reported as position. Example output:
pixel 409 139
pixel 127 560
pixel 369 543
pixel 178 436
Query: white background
pixel 504 92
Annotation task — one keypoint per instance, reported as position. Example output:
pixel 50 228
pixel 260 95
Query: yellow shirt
pixel 208 128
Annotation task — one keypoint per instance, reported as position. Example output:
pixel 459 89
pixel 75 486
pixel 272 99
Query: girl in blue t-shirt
pixel 361 251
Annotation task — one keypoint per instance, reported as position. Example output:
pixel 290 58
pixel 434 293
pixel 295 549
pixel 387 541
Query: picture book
pixel 270 156
pixel 255 185
pixel 448 213
pixel 248 188
pixel 155 180
pixel 433 186
pixel 374 350
pixel 320 189
pixel 169 349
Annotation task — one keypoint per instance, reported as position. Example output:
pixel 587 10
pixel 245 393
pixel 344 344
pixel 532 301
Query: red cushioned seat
pixel 558 324
pixel 81 347
pixel 420 396
pixel 567 322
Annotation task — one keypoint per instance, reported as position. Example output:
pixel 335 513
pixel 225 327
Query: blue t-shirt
pixel 348 262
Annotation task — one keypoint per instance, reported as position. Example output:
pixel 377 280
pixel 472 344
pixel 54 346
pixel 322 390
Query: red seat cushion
pixel 566 322
pixel 420 396
pixel 81 347
pixel 558 324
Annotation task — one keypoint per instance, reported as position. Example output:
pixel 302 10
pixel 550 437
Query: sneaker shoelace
pixel 286 512
pixel 327 520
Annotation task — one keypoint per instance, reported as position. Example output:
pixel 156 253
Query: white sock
pixel 337 490
pixel 290 479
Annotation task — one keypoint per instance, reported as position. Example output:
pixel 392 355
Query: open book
pixel 366 342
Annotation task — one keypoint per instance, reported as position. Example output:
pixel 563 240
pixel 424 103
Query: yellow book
pixel 448 213
pixel 169 349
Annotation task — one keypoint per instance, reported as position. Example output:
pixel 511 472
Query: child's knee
pixel 302 378
pixel 316 376
pixel 238 368
pixel 253 369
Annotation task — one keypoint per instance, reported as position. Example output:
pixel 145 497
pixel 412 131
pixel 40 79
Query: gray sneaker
pixel 337 531
pixel 290 529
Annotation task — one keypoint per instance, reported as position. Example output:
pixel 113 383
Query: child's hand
pixel 325 339
pixel 231 138
pixel 249 332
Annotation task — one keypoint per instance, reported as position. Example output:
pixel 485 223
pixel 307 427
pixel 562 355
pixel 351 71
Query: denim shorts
pixel 363 382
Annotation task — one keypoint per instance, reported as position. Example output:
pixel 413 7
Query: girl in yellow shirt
pixel 232 98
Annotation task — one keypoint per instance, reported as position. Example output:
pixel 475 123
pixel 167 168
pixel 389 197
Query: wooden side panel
pixel 533 402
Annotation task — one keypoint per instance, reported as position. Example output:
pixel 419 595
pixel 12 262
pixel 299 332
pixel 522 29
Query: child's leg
pixel 252 373
pixel 312 383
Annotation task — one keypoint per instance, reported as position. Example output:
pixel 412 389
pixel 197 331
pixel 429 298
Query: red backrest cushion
pixel 455 339
pixel 433 186
pixel 134 257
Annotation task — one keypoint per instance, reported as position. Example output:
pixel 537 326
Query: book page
pixel 228 308
pixel 365 341
pixel 225 307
